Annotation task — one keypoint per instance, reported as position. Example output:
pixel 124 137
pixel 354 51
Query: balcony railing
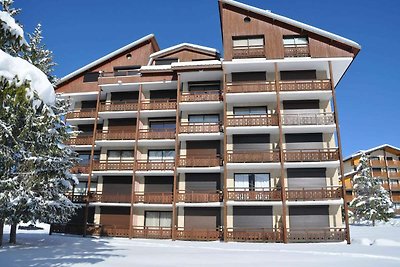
pixel 117 165
pixel 81 140
pixel 313 85
pixel 83 113
pixel 198 234
pixel 107 198
pixel 256 194
pixel 394 174
pixel 379 174
pixel 152 232
pixel 108 230
pixel 201 97
pixel 250 87
pixel 317 235
pixel 308 119
pixel 296 50
pixel 76 198
pixel 395 186
pixel 64 228
pixel 332 192
pixel 158 104
pixel 255 234
pixel 119 106
pixel 81 168
pixel 126 134
pixel 200 161
pixel 157 134
pixel 200 127
pixel 393 163
pixel 378 163
pixel 248 52
pixel 199 197
pixel 252 156
pixel 144 165
pixel 311 155
pixel 154 198
pixel 396 198
pixel 252 120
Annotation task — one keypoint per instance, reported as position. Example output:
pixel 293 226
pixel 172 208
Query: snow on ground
pixel 371 246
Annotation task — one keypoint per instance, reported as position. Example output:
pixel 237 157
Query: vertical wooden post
pixel 225 151
pixel 346 209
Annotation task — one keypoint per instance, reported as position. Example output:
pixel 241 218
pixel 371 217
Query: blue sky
pixel 80 31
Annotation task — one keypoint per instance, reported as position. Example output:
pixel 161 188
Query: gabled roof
pixel 106 57
pixel 169 50
pixel 292 22
pixel 384 146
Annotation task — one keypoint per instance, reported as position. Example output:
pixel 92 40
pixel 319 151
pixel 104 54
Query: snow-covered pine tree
pixel 12 39
pixel 39 56
pixel 372 202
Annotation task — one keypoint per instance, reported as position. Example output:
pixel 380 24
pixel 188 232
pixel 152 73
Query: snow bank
pixel 14 66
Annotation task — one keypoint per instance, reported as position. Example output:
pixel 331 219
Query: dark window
pixel 298 75
pixel 89 104
pixel 303 138
pixel 91 77
pixel 154 184
pixel 252 217
pixel 165 61
pixel 118 155
pixel 389 158
pixel 374 158
pixel 250 110
pixel 308 217
pixel 201 218
pixel 306 178
pixel 252 181
pixel 376 169
pixel 301 104
pixel 251 138
pixel 163 94
pixel 126 70
pixel 200 87
pixel 161 155
pixel 198 182
pixel 209 118
pixel 248 76
pixel 161 125
pixel 124 96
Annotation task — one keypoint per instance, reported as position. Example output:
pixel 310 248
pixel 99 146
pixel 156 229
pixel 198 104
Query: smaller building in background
pixel 384 161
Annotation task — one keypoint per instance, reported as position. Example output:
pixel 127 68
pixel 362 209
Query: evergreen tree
pixel 12 39
pixel 372 202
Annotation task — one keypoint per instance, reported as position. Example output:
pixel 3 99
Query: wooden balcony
pixel 66 228
pixel 311 155
pixel 310 194
pixel 113 198
pixel 317 235
pixel 199 197
pixel 250 87
pixel 396 197
pixel 296 51
pixel 144 165
pixel 395 186
pixel 158 104
pixel 127 134
pixel 152 232
pixel 108 230
pixel 116 165
pixel 198 234
pixel 254 235
pixel 393 163
pixel 81 168
pixel 385 185
pixel 119 106
pixel 189 128
pixel 252 156
pixel 81 140
pixel 153 198
pixel 82 113
pixel 308 119
pixel 313 85
pixel 248 52
pixel 258 194
pixel 379 174
pixel 378 163
pixel 157 134
pixel 76 198
pixel 394 174
pixel 252 120
pixel 212 95
pixel 200 161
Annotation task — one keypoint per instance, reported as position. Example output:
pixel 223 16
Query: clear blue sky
pixel 80 31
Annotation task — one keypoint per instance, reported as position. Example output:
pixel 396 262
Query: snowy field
pixel 371 246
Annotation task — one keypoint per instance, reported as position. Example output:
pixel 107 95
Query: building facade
pixel 181 144
pixel 384 162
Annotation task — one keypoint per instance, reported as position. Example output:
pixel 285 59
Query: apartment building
pixel 183 144
pixel 384 161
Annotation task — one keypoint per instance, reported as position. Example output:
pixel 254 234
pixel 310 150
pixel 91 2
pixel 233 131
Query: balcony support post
pixel 225 160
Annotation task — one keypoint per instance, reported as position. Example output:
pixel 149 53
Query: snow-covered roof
pixel 293 22
pixel 200 63
pixel 183 45
pixel 371 150
pixel 106 57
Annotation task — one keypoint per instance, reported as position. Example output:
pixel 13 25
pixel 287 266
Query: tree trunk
pixel 373 222
pixel 1 232
pixel 13 234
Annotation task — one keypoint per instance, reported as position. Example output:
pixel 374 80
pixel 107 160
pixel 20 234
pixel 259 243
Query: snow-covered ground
pixel 371 246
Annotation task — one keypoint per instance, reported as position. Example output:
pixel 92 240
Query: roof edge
pixel 370 150
pixel 182 45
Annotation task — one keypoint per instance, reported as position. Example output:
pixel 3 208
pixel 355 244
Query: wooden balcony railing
pixel 394 174
pixel 80 168
pixel 385 186
pixel 144 165
pixel 157 134
pixel 252 120
pixel 107 165
pixel 396 198
pixel 81 140
pixel 296 50
pixel 313 85
pixel 257 194
pixel 200 161
pixel 250 87
pixel 66 228
pixel 152 232
pixel 108 230
pixel 311 155
pixel 83 113
pixel 212 95
pixel 158 104
pixel 154 198
pixel 198 234
pixel 252 156
pixel 317 235
pixel 199 197
pixel 331 192
pixel 308 119
pixel 381 174
pixel 395 186
pixel 255 234
pixel 119 106
pixel 248 52
pixel 128 134
pixel 200 127
pixel 76 198
pixel 393 163
pixel 113 198
pixel 377 163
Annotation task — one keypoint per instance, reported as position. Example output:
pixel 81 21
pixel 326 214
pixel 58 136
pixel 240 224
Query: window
pixel 161 155
pixel 374 158
pixel 249 76
pixel 303 138
pixel 124 96
pixel 389 158
pixel 250 110
pixel 298 75
pixel 126 70
pixel 252 181
pixel 246 42
pixel 91 77
pixel 376 169
pixel 157 219
pixel 211 118
pixel 293 41
pixel 162 125
pixel 201 87
pixel 392 170
pixel 89 104
pixel 80 189
pixel 119 155
pixel 165 61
